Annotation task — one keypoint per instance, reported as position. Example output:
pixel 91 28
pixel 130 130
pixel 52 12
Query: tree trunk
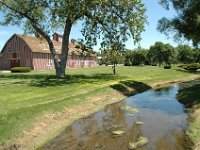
pixel 61 64
pixel 159 64
pixel 60 72
pixel 114 71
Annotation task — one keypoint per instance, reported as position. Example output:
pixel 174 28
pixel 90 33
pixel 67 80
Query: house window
pixel 28 63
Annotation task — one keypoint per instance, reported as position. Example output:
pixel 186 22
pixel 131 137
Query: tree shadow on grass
pixel 42 80
pixel 25 76
pixel 129 87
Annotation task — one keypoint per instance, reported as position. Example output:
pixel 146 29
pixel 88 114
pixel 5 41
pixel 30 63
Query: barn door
pixel 73 64
pixel 82 64
pixel 15 63
pixel 91 64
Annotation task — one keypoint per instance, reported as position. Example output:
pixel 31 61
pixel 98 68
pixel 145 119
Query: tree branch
pixel 94 18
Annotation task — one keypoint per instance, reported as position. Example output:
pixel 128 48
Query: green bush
pixel 182 65
pixel 127 63
pixel 191 67
pixel 167 67
pixel 20 69
pixel 154 64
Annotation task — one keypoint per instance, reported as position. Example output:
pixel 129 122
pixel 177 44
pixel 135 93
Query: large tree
pixel 160 52
pixel 113 19
pixel 138 56
pixel 168 54
pixel 186 23
pixel 185 54
pixel 196 55
pixel 156 51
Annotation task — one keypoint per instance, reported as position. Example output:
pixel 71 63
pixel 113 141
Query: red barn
pixel 33 52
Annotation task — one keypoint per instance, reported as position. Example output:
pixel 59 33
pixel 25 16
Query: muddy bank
pixel 152 120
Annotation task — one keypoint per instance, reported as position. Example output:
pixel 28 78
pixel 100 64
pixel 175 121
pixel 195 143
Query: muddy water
pixel 163 117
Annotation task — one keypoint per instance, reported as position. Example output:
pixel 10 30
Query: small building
pixel 33 52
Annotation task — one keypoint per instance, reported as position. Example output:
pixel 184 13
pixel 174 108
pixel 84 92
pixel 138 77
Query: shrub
pixel 191 67
pixel 20 69
pixel 127 63
pixel 182 65
pixel 154 64
pixel 167 67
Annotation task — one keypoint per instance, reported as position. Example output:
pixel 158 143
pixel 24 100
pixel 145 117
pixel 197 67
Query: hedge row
pixel 20 69
pixel 190 67
pixel 167 67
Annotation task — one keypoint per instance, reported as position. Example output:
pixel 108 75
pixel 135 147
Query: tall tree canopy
pixel 186 23
pixel 115 20
pixel 156 51
pixel 160 52
pixel 138 56
pixel 185 54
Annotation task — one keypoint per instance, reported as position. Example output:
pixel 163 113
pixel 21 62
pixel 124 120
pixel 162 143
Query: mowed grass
pixel 25 97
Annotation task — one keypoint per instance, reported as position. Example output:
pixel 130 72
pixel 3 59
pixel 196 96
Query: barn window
pixel 18 55
pixel 9 49
pixel 14 55
pixel 6 62
pixel 48 62
pixel 10 55
pixel 28 63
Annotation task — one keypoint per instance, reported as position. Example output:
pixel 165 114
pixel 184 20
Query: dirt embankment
pixel 189 96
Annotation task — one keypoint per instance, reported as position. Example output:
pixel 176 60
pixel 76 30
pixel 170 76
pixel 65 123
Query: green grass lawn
pixel 24 97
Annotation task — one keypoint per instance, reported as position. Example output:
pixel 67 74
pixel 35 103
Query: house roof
pixel 41 45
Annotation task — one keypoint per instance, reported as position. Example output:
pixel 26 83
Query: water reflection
pixel 163 117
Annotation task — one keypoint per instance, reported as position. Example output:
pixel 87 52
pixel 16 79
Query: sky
pixel 149 36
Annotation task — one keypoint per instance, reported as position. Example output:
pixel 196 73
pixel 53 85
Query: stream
pixel 155 115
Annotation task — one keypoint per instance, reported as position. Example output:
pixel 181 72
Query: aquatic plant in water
pixel 139 123
pixel 132 145
pixel 141 142
pixel 118 132
pixel 131 115
pixel 130 109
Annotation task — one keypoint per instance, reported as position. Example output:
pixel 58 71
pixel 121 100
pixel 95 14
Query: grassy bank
pixel 189 95
pixel 37 101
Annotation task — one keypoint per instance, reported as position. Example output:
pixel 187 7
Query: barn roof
pixel 41 45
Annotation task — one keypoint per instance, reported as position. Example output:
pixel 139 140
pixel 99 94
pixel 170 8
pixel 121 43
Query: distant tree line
pixel 157 54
